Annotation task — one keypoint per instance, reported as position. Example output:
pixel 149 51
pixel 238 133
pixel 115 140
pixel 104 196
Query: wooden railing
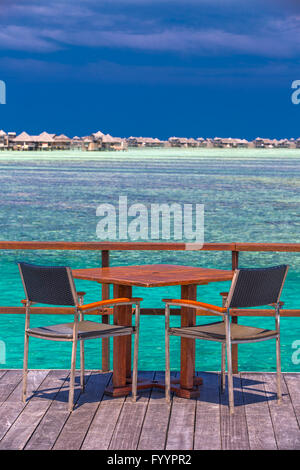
pixel 106 247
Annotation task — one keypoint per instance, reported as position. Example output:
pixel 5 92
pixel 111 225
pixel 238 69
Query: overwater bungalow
pixel 113 143
pixel 10 139
pixel 152 142
pixel 258 142
pixel 107 142
pixel 174 141
pixel 61 142
pixel 292 143
pixel 178 141
pixel 192 142
pixel 242 143
pixel 119 144
pixel 45 141
pixel 25 141
pixel 201 142
pixel 98 136
pixel 132 141
pixel 3 140
pixel 283 143
pixel 76 142
pixel 86 141
pixel 265 143
pixel 217 142
pixel 136 141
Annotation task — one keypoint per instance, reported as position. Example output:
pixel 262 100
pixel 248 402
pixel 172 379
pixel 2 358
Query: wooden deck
pixel 101 422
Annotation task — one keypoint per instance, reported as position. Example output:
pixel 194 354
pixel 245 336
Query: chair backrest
pixel 52 285
pixel 256 286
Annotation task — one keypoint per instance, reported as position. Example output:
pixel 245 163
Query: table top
pixel 153 275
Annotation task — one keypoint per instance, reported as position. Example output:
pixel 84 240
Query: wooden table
pixel 124 278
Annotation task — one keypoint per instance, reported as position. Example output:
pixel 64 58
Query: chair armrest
pixel 24 302
pixel 224 294
pixel 281 304
pixel 197 305
pixel 81 294
pixel 105 303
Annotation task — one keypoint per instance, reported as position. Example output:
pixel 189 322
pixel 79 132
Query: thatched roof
pixel 62 138
pixel 98 135
pixel 24 137
pixel 44 137
pixel 108 139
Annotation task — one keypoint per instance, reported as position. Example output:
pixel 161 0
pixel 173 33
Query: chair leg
pixel 82 365
pixel 223 374
pixel 229 378
pixel 25 368
pixel 168 369
pixel 278 367
pixel 72 377
pixel 135 366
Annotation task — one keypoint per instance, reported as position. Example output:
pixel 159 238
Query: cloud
pixel 36 27
pixel 25 39
pixel 277 40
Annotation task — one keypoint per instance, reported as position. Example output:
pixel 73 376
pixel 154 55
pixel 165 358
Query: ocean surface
pixel 249 196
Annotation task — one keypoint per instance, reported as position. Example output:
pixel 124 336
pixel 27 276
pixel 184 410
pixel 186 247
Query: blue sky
pixel 153 68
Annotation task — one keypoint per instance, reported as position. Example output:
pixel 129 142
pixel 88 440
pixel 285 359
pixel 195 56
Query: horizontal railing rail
pixel 153 246
pixel 106 247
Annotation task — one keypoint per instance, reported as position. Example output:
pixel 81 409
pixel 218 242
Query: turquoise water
pixel 249 195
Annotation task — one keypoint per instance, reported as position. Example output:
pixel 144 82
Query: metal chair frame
pixel 227 341
pixel 79 310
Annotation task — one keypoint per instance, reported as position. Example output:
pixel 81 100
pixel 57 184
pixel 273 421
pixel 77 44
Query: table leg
pixel 188 382
pixel 105 318
pixel 121 346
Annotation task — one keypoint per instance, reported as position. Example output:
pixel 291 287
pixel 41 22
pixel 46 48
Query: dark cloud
pixel 35 26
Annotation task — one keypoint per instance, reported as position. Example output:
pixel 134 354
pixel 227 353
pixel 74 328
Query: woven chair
pixel 249 288
pixel 54 285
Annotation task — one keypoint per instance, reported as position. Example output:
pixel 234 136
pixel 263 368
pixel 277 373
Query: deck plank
pixel 103 425
pixel 207 426
pixel 23 418
pixel 292 382
pixel 259 422
pixel 78 423
pixel 128 428
pixel 181 424
pixel 51 424
pixel 283 416
pixel 234 432
pixel 8 382
pixel 155 426
pixel 13 406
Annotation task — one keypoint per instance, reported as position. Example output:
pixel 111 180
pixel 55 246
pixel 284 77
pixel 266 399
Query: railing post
pixel 234 347
pixel 105 318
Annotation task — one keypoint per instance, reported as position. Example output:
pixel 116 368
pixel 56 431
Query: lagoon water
pixel 249 195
